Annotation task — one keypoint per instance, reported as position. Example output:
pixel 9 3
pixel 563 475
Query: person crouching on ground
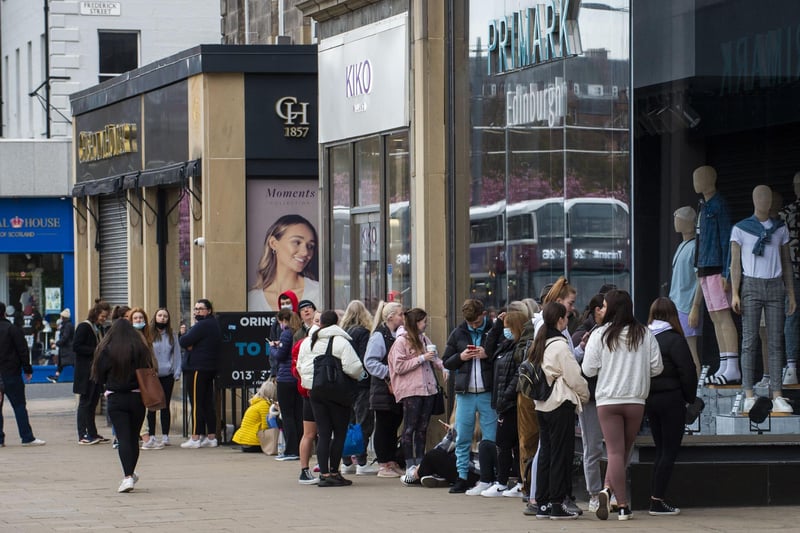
pixel 255 418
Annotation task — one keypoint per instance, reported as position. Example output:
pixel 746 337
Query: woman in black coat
pixel 87 336
pixel 670 391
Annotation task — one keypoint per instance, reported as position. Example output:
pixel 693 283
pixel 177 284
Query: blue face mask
pixel 139 325
pixel 507 333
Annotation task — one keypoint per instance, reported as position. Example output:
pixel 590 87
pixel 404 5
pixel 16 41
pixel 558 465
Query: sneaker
pixel 52 379
pixel 165 440
pixel 560 511
pixel 531 509
pixel 366 470
pixel 603 504
pixel 748 404
pixel 479 487
pixel 625 513
pixel 409 479
pixel 126 485
pixel 89 441
pixel 103 440
pixel 191 443
pixel 152 444
pixel 307 478
pixel 594 503
pixel 397 468
pixel 387 471
pixel 662 508
pixel 612 502
pixel 571 506
pixel 34 442
pixel 287 457
pixel 115 444
pixel 763 384
pixel 135 478
pixel 345 469
pixel 333 480
pixel 790 376
pixel 209 443
pixel 316 469
pixel 514 492
pixel 433 482
pixel 460 486
pixel 543 512
pixel 343 480
pixel 496 490
pixel 781 405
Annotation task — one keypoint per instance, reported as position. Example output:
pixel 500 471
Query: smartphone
pixel 471 346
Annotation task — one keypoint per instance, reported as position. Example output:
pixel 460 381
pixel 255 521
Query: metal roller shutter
pixel 113 250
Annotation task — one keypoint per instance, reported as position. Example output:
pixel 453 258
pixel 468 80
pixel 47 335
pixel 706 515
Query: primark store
pixel 505 143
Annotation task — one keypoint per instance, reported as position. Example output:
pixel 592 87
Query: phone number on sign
pixel 249 375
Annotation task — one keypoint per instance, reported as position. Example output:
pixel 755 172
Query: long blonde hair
pixel 356 314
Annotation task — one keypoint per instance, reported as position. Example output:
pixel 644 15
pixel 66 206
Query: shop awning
pixel 174 174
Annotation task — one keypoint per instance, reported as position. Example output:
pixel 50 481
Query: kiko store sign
pixel 365 73
pixel 534 35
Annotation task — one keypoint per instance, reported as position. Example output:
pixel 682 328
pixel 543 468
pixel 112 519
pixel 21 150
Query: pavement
pixel 66 487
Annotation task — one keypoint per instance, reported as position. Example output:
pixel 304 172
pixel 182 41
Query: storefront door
pixel 370 271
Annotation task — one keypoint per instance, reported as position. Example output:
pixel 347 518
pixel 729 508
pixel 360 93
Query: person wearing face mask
pixel 167 352
pixel 504 401
pixel 287 300
pixel 203 343
pixel 289 399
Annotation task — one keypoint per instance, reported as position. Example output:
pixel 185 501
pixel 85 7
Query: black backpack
pixel 330 382
pixel 532 382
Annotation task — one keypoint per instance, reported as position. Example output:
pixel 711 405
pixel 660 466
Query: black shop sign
pixel 244 357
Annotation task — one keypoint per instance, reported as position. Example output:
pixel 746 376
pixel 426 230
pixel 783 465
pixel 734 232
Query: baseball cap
pixel 306 303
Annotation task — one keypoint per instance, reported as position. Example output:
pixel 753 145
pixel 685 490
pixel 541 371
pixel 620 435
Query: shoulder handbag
pixel 150 388
pixel 269 440
pixel 439 406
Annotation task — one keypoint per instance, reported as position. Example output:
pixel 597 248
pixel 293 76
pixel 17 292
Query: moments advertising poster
pixel 282 240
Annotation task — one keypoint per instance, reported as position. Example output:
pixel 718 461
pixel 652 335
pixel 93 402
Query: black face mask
pixel 200 317
pixel 159 325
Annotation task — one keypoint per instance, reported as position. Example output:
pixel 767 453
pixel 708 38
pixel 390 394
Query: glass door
pixel 370 271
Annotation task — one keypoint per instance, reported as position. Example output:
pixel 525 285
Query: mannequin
pixel 760 267
pixel 791 329
pixel 713 251
pixel 684 277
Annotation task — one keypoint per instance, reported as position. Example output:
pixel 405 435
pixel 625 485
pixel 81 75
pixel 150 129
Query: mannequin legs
pixel 727 339
pixel 692 341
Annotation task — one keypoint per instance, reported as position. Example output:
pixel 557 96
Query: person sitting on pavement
pixel 255 418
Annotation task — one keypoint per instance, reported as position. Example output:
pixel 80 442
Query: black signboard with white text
pixel 244 356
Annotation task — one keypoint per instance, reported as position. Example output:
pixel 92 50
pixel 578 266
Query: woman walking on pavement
pixel 119 354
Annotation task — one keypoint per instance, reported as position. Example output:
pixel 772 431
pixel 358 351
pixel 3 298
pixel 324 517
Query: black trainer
pixel 460 486
pixel 625 513
pixel 559 511
pixel 307 478
pixel 530 509
pixel 543 512
pixel 52 379
pixel 662 508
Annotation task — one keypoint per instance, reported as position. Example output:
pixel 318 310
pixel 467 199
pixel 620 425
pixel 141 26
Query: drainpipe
pixel 47 67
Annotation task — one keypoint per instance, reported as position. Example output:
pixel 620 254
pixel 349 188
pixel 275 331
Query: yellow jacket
pixel 254 419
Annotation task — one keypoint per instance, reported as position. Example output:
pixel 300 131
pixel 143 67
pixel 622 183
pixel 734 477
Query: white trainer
pixel 781 405
pixel 594 503
pixel 208 443
pixel 514 492
pixel 126 485
pixel 478 488
pixel 790 376
pixel 152 444
pixel 34 442
pixel 496 490
pixel 367 470
pixel 748 404
pixel 191 443
pixel 347 469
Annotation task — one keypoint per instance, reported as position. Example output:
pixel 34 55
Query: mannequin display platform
pixel 760 267
pixel 713 251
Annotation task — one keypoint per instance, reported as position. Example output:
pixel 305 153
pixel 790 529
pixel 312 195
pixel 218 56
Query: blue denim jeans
pixel 15 392
pixel 791 328
pixel 467 404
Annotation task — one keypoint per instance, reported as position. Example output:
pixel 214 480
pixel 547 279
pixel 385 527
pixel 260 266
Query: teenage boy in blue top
pixel 465 355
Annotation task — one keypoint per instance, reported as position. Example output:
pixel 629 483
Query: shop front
pixel 37 267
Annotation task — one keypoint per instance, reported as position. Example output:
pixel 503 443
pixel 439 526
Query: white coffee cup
pixel 431 348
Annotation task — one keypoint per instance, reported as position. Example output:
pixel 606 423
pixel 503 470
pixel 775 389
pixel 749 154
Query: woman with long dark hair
pixel 556 414
pixel 331 415
pixel 411 370
pixel 670 391
pixel 624 355
pixel 167 352
pixel 87 336
pixel 121 351
pixel 289 399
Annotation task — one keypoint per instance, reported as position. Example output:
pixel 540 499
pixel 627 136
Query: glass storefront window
pixel 370 192
pixel 550 161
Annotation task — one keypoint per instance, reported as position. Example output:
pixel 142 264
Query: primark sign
pixel 547 32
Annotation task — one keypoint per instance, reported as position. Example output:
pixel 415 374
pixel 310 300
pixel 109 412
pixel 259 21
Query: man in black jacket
pixel 466 356
pixel 14 359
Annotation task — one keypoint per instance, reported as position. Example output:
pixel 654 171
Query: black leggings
pixel 291 404
pixel 385 440
pixel 507 446
pixel 167 383
pixel 126 411
pixel 332 420
pixel 667 414
pixel 416 415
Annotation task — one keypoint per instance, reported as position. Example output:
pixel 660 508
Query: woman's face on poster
pixel 295 249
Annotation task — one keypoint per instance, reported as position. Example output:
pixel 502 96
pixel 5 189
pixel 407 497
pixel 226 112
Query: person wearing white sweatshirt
pixel 624 355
